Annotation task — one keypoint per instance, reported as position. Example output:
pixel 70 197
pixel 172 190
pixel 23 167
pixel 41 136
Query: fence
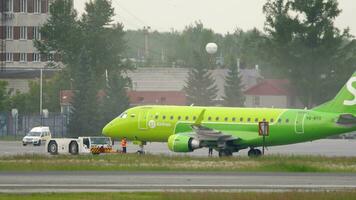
pixel 22 124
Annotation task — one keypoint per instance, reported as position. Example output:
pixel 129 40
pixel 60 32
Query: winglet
pixel 200 118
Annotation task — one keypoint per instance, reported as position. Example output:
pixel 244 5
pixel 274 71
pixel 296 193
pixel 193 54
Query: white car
pixel 37 136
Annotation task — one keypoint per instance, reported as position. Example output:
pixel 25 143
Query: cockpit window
pixel 123 115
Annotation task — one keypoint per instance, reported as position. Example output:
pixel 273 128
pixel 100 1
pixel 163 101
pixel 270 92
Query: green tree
pixel 200 86
pixel 306 46
pixel 193 41
pixel 84 117
pixel 93 38
pixel 4 96
pixel 115 101
pixel 234 96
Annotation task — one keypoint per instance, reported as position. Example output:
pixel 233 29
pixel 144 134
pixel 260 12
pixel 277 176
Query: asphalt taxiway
pixel 325 147
pixel 29 182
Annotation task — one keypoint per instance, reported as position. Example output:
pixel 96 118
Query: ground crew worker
pixel 210 151
pixel 123 144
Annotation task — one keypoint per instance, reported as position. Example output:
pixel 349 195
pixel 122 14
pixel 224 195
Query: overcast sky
pixel 220 15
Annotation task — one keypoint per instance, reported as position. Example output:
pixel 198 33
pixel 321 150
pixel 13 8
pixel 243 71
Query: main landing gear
pixel 254 153
pixel 225 153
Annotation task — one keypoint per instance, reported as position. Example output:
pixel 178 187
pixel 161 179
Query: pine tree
pixel 234 96
pixel 84 118
pixel 200 86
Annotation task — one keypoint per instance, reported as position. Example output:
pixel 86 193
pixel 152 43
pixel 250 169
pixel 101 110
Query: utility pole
pixel 145 32
pixel 41 94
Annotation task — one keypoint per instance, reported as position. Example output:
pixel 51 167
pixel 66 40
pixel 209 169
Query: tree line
pixel 299 42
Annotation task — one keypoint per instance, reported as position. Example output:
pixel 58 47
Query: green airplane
pixel 228 129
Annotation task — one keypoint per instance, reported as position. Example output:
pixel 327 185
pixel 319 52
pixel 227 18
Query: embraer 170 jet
pixel 229 130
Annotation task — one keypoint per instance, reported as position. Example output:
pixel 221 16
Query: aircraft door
pixel 142 119
pixel 299 122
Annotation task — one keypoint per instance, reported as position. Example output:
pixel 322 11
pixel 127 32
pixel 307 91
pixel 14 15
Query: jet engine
pixel 182 143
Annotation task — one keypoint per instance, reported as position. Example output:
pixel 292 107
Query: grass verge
pixel 345 195
pixel 133 162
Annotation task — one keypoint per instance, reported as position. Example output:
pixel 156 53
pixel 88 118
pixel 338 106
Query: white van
pixel 37 136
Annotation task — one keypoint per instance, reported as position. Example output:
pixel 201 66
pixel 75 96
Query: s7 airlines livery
pixel 229 130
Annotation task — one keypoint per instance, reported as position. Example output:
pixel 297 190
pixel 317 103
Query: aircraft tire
pixel 73 148
pixel 225 153
pixel 254 153
pixel 53 148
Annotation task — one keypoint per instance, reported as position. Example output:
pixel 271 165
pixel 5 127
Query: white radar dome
pixel 211 48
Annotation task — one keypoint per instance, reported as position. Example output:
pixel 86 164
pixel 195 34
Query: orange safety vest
pixel 123 143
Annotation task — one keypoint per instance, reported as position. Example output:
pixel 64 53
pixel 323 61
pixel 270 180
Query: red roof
pixel 66 97
pixel 157 97
pixel 274 87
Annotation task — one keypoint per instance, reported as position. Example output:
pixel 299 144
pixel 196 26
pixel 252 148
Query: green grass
pixel 345 195
pixel 133 162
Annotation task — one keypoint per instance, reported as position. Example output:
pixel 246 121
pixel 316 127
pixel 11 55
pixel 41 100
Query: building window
pixel 9 6
pixel 23 57
pixel 9 32
pixel 23 33
pixel 36 57
pixel 36 33
pixel 256 100
pixel 9 57
pixel 23 6
pixel 37 6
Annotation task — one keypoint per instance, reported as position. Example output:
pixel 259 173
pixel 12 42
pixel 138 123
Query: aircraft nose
pixel 106 130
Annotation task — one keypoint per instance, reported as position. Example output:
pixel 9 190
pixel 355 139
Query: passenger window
pixel 287 120
pixel 179 117
pixel 163 117
pixel 248 119
pixel 264 119
pixel 209 118
pixel 271 120
pixel 172 117
pixel 279 120
pixel 256 119
pixel 226 119
pixel 186 118
pixel 233 119
pixel 156 117
pixel 217 118
pixel 241 119
pixel 194 118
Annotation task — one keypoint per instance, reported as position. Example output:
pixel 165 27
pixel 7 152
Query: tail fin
pixel 345 100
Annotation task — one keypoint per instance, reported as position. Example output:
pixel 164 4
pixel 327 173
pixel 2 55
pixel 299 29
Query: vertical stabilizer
pixel 345 100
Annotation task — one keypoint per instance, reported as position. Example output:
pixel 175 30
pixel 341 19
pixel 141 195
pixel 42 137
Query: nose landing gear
pixel 254 153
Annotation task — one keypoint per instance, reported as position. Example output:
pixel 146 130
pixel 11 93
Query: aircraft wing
pixel 347 120
pixel 207 134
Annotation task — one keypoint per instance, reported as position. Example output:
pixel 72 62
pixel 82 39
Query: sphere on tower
pixel 211 48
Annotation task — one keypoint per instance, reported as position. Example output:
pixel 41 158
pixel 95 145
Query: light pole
pixel 41 91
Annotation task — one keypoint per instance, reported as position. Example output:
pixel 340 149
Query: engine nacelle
pixel 182 143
